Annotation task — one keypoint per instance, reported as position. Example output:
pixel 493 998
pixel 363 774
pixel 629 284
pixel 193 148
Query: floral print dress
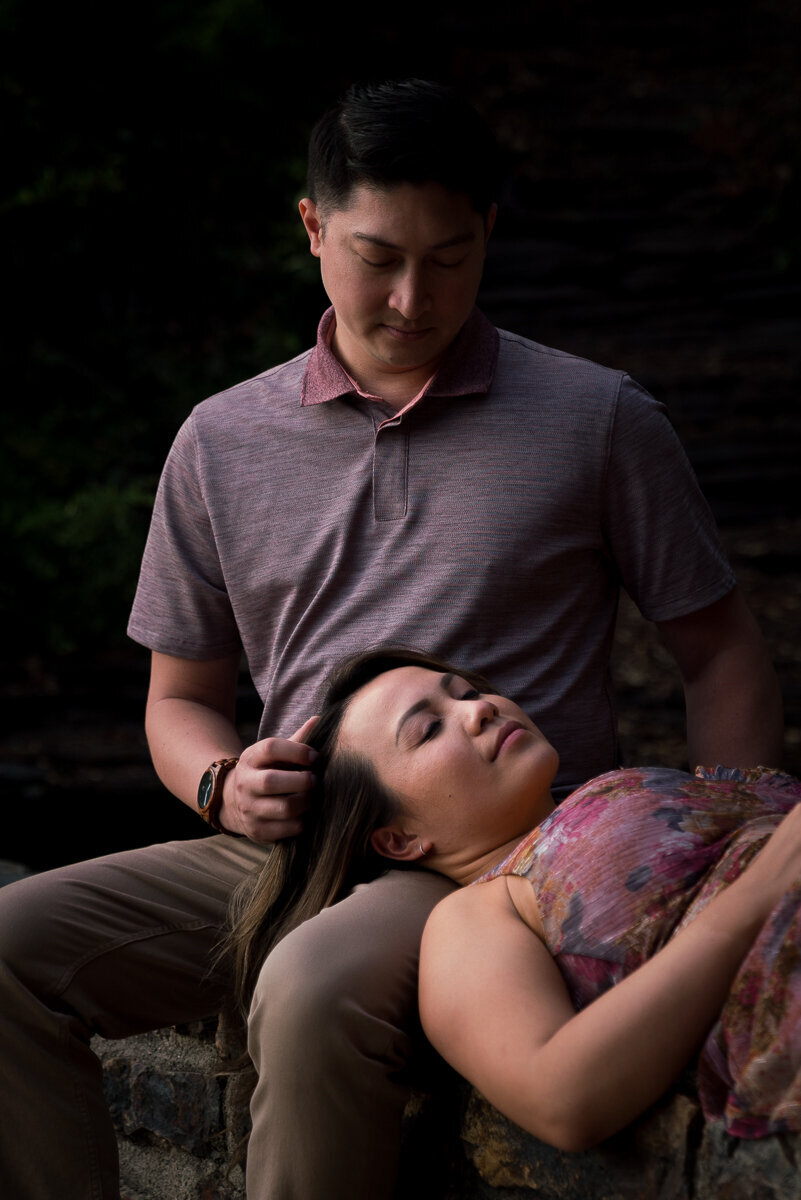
pixel 632 857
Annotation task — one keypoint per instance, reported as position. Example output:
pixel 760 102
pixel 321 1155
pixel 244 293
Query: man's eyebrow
pixel 418 706
pixel 460 239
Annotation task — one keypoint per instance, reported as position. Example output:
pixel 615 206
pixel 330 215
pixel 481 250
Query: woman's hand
pixel 772 872
pixel 266 794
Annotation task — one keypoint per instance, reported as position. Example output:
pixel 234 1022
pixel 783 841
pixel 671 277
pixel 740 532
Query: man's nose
pixel 410 296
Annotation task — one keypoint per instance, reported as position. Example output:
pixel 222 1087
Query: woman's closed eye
pixel 431 731
pixel 434 726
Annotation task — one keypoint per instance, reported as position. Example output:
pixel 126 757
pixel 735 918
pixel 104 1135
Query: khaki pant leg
pixel 332 1026
pixel 114 946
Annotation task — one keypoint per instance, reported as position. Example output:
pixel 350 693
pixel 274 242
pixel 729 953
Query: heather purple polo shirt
pixel 492 521
pixel 467 370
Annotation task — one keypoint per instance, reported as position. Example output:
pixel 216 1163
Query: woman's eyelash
pixel 433 729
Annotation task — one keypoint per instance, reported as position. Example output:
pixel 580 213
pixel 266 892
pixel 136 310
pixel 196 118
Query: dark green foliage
pixel 152 256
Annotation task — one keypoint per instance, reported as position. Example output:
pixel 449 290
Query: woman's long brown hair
pixel 307 873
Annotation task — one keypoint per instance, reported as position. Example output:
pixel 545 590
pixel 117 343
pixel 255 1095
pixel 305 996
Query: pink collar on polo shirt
pixel 466 370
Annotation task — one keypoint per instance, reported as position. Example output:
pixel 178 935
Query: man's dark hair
pixel 406 131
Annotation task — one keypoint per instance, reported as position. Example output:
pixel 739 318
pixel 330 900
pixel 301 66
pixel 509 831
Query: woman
pixel 683 892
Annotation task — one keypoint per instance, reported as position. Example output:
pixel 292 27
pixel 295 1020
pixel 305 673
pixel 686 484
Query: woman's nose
pixel 480 712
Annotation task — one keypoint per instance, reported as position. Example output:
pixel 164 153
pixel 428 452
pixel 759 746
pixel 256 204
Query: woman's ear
pixel 394 843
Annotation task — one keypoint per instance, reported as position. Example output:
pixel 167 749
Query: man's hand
pixel 190 723
pixel 266 794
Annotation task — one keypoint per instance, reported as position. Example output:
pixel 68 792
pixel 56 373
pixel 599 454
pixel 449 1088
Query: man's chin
pixel 409 353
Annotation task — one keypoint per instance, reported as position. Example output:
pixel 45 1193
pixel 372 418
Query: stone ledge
pixel 172 1106
pixel 177 1128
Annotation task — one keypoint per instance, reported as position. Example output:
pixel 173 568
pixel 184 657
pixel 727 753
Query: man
pixel 417 477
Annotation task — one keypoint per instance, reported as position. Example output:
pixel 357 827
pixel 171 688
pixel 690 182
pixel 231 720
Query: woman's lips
pixel 506 730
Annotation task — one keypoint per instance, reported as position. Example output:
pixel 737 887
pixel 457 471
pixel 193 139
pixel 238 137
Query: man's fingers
pixel 281 751
pixel 273 786
pixel 276 817
pixel 280 809
pixel 276 782
pixel 301 734
pixel 267 832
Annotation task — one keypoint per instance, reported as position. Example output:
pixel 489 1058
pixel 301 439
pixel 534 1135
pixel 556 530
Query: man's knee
pixel 24 913
pixel 349 974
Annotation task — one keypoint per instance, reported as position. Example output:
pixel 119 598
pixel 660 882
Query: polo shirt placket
pixel 468 371
pixel 391 470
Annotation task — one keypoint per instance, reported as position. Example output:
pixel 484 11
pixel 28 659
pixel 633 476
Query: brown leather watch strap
pixel 210 793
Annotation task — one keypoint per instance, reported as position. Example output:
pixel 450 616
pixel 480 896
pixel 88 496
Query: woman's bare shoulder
pixel 478 906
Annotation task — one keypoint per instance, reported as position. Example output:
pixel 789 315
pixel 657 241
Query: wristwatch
pixel 210 791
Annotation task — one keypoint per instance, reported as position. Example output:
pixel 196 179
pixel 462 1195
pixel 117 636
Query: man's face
pixel 401 267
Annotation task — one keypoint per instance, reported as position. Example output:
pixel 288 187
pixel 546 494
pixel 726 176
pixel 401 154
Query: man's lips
pixel 506 730
pixel 405 335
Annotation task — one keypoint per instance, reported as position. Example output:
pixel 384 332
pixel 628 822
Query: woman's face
pixel 471 771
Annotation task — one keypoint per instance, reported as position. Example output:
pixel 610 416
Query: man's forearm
pixel 189 720
pixel 191 708
pixel 184 737
pixel 734 706
pixel 734 713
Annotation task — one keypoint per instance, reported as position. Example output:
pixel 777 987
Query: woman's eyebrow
pixel 419 705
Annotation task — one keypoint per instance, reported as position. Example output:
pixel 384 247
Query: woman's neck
pixel 471 866
pixel 487 861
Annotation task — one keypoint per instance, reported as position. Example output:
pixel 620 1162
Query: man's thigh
pixel 334 1034
pixel 127 942
pixel 359 956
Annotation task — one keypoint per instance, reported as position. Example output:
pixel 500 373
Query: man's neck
pixel 399 398
pixel 396 387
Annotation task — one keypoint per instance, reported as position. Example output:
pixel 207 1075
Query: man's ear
pixel 394 843
pixel 311 219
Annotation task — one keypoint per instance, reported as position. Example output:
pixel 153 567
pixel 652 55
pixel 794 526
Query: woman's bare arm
pixel 494 1004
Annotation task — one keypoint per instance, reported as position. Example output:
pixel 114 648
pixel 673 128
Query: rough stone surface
pixel 651 1159
pixel 177 1128
pixel 729 1169
pixel 170 1103
pixel 183 1107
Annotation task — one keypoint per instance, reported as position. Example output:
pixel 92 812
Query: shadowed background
pixel 153 256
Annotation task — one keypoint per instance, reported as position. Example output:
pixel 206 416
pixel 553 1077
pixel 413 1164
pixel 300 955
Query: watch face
pixel 206 790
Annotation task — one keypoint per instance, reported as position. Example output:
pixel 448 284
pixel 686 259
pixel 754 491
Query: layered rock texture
pixel 178 1126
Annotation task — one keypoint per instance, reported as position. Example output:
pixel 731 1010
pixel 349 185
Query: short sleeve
pixel 181 606
pixel 659 527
